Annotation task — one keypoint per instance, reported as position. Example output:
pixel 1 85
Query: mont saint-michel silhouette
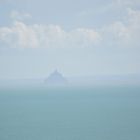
pixel 56 78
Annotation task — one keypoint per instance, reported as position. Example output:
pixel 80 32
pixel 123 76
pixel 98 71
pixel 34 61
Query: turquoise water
pixel 70 114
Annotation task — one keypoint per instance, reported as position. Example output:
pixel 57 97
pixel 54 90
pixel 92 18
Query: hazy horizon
pixel 69 69
pixel 79 38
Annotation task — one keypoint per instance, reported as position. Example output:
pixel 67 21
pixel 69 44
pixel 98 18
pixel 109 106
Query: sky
pixel 77 37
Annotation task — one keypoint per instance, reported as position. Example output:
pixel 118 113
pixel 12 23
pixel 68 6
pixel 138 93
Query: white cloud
pixel 33 36
pixel 19 35
pixel 15 15
pixel 126 32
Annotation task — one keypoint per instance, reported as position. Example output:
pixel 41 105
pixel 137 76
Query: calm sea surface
pixel 70 114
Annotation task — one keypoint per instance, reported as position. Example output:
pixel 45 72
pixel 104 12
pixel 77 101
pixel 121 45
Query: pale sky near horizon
pixel 77 37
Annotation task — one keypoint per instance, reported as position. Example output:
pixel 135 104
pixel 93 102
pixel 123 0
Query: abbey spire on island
pixel 56 79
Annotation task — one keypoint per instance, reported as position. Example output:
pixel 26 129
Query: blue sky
pixel 78 37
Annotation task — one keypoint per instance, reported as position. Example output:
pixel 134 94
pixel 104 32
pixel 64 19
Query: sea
pixel 78 113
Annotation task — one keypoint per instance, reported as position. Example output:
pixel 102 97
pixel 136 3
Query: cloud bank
pixel 21 35
pixel 123 33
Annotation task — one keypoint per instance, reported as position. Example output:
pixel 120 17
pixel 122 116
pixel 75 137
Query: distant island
pixel 56 79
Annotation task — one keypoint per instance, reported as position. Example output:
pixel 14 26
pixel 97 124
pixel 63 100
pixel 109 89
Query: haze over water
pixel 94 93
pixel 100 113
